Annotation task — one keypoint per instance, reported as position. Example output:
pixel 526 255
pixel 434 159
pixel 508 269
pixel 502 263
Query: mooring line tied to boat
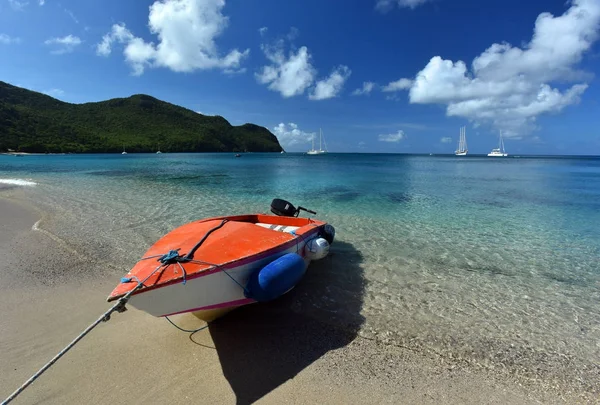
pixel 105 317
pixel 118 307
pixel 165 260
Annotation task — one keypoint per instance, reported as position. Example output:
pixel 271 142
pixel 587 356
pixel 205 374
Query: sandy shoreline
pixel 270 353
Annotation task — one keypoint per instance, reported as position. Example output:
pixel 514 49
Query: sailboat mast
pixel 320 135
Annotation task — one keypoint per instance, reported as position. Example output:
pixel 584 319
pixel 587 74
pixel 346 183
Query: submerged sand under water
pixel 315 345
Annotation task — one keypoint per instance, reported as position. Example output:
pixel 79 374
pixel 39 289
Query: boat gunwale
pixel 312 226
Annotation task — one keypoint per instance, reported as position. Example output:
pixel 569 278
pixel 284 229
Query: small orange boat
pixel 211 266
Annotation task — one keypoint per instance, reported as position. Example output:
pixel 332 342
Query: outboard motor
pixel 285 208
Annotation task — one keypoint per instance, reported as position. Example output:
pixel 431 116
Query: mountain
pixel 35 122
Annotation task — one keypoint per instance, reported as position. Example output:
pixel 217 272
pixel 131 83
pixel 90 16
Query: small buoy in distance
pixel 316 249
pixel 328 233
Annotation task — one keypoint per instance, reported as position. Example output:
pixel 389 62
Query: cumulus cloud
pixel 401 84
pixel 289 75
pixel 119 33
pixel 446 139
pixel 386 5
pixel 331 86
pixel 7 39
pixel 366 88
pixel 395 137
pixel 186 31
pixel 290 135
pixel 41 2
pixel 62 45
pixel 292 74
pixel 509 87
pixel 263 31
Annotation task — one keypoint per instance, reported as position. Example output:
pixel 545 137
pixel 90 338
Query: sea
pixel 489 262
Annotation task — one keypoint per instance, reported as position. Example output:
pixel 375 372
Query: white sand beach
pixel 264 353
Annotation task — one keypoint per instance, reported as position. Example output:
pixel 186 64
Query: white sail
pixel 462 143
pixel 321 151
pixel 499 151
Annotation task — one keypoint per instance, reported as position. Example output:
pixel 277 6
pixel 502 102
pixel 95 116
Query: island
pixel 33 122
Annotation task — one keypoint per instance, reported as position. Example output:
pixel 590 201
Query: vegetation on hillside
pixel 35 122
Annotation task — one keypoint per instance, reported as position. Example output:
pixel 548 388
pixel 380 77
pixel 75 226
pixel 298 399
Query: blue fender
pixel 275 278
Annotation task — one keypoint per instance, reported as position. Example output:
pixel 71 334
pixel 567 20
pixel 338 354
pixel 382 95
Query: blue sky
pixel 375 75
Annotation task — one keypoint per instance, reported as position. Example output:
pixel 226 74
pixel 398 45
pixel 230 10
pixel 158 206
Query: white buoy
pixel 316 249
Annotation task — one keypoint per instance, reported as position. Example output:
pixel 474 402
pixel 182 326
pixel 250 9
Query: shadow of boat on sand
pixel 262 346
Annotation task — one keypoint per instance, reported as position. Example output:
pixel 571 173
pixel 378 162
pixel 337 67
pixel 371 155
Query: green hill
pixel 35 122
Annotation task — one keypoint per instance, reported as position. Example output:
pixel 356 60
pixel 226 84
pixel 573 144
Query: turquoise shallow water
pixel 490 261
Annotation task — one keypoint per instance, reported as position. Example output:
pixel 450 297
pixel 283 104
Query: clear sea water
pixel 493 262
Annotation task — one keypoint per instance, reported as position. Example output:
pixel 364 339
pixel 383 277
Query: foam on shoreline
pixel 18 182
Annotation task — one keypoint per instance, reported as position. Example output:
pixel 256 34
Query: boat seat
pixel 280 228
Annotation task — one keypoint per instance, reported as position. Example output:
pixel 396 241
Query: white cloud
pixel 7 40
pixel 65 44
pixel 446 139
pixel 289 135
pixel 263 31
pixel 401 84
pixel 292 74
pixel 41 2
pixel 119 33
pixel 509 87
pixel 385 5
pixel 366 88
pixel 186 31
pixel 397 137
pixel 293 34
pixel 70 13
pixel 54 92
pixel 331 86
pixel 18 5
pixel 289 76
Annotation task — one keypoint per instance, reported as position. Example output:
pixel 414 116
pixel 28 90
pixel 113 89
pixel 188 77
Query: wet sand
pixel 266 353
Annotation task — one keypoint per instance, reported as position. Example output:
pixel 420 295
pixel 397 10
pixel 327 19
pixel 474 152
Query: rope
pixel 184 273
pixel 171 257
pixel 105 317
pixel 235 281
pixel 185 330
pixel 190 254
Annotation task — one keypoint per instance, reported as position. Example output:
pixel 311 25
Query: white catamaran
pixel 321 151
pixel 462 143
pixel 499 151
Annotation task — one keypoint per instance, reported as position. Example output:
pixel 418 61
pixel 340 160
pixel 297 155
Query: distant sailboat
pixel 462 143
pixel 123 153
pixel 321 151
pixel 158 151
pixel 499 151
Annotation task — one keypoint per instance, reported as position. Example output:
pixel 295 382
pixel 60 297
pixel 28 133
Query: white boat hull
pixel 209 295
pixel 460 153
